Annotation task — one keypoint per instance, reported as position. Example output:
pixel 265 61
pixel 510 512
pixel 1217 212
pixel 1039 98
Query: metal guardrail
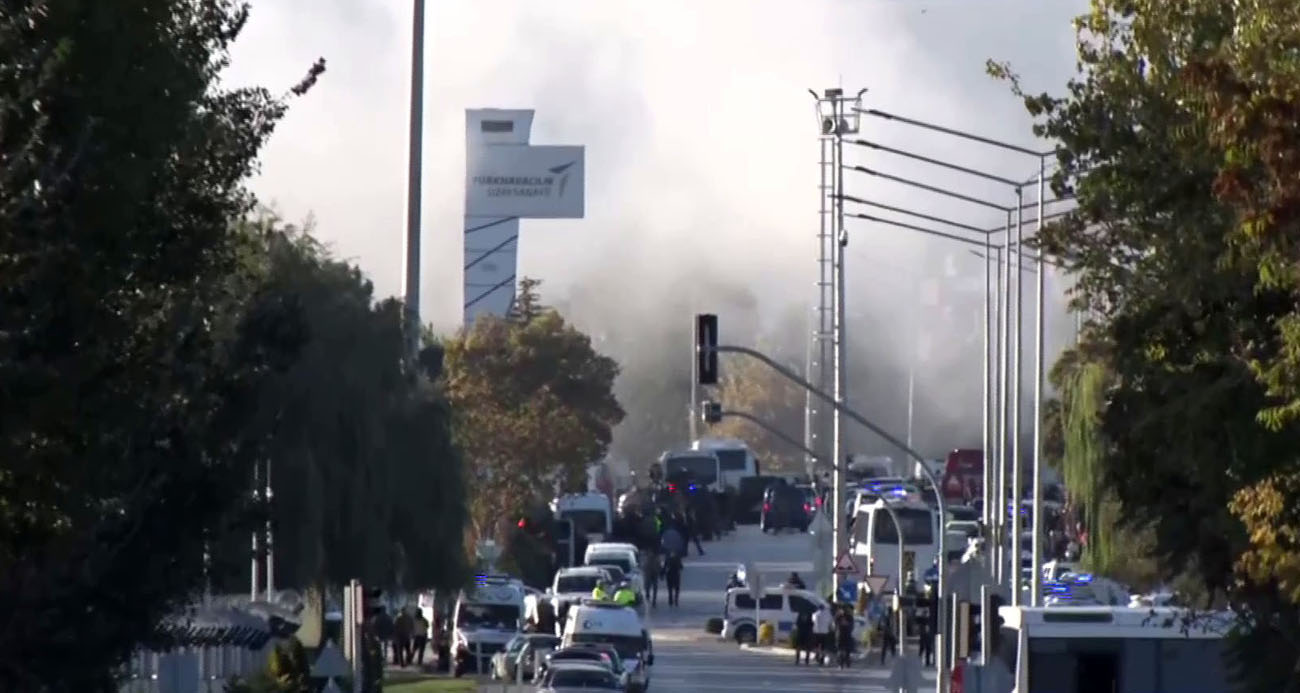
pixel 191 670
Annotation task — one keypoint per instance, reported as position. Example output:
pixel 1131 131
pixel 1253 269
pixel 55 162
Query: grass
pixel 431 685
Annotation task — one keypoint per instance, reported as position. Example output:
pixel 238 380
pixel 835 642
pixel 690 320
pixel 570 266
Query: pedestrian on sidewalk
pixel 888 639
pixel 803 637
pixel 673 577
pixel 822 622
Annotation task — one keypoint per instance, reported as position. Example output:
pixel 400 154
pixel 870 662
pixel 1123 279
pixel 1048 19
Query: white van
pixel 591 513
pixel 874 543
pixel 487 616
pixel 603 546
pixel 571 586
pixel 735 460
pixel 606 622
pixel 779 606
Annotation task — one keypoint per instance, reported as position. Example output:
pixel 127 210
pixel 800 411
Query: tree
pixel 750 386
pixel 533 405
pixel 1177 303
pixel 127 365
pixel 367 481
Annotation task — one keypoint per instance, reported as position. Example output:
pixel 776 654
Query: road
pixel 689 660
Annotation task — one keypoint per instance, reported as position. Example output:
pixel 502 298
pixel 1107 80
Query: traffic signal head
pixel 374 602
pixel 711 412
pixel 706 349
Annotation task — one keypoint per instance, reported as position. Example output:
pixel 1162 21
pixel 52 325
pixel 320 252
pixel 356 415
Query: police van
pixel 487 616
pixel 594 621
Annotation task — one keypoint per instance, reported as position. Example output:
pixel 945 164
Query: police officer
pixel 601 590
pixel 624 596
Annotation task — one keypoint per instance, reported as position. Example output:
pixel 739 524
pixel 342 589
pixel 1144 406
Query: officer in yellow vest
pixel 625 596
pixel 600 592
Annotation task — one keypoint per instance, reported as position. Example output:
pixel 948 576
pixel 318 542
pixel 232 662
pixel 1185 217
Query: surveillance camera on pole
pixel 706 348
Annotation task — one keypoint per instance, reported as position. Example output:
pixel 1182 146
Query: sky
pixel 700 135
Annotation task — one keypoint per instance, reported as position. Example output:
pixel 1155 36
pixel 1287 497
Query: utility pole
pixel 413 184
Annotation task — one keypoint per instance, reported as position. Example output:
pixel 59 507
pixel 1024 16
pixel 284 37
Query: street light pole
pixel 1036 580
pixel 837 346
pixel 413 184
pixel 1016 480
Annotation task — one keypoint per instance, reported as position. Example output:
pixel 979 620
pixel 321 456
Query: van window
pixel 589 521
pixel 744 601
pixel 703 469
pixel 800 605
pixel 918 526
pixel 732 460
pixel 772 602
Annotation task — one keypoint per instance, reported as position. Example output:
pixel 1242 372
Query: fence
pixel 192 669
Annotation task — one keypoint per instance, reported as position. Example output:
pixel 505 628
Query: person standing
pixel 803 637
pixel 384 633
pixel 822 622
pixel 673 577
pixel 844 637
pixel 419 638
pixel 888 639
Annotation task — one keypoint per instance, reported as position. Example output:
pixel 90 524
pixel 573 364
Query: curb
pixel 773 651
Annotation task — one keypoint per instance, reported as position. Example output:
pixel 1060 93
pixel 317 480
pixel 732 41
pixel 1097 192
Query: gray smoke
pixel 701 167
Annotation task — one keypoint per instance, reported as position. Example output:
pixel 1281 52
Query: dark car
pixel 748 508
pixel 785 507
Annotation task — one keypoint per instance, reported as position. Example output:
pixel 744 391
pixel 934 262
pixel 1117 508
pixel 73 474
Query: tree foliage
pixel 128 367
pixel 533 405
pixel 749 386
pixel 367 482
pixel 1176 138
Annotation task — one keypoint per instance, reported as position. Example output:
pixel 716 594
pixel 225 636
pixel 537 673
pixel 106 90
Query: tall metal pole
pixel 1036 580
pixel 413 183
pixel 257 538
pixel 987 383
pixel 809 459
pixel 270 538
pixel 837 442
pixel 1016 481
pixel 1004 388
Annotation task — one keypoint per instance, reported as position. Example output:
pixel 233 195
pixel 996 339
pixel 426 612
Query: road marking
pixel 761 566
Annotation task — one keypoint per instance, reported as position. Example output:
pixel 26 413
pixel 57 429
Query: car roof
pixel 583 570
pixel 584 651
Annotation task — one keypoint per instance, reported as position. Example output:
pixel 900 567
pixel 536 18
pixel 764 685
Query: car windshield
pixel 578 655
pixel 623 563
pixel 576 583
pixel 582 678
pixel 589 521
pixel 962 513
pixel 628 646
pixel 606 650
pixel 504 616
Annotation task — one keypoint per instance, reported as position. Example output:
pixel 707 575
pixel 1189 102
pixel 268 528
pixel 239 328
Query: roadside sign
pixel 844 564
pixel 330 663
pixel 754 581
pixel 876 583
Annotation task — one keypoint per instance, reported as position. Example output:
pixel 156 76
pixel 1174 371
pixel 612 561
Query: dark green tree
pixel 368 483
pixel 1179 314
pixel 128 368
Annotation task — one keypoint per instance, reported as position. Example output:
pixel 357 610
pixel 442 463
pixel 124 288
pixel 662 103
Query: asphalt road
pixel 689 660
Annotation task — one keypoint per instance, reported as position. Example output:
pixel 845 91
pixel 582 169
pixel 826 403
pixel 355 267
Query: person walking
pixel 673 577
pixel 693 530
pixel 403 626
pixel 803 637
pixel 822 622
pixel 384 632
pixel 651 575
pixel 888 639
pixel 926 644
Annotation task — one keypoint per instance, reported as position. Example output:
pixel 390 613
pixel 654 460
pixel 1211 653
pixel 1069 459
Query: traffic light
pixel 373 606
pixel 711 412
pixel 706 349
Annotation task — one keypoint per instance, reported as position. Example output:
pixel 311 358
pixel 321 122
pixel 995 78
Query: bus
pixel 1100 648
pixel 735 460
pixel 875 540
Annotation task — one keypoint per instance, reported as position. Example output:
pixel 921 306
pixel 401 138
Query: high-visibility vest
pixel 625 596
pixel 599 593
